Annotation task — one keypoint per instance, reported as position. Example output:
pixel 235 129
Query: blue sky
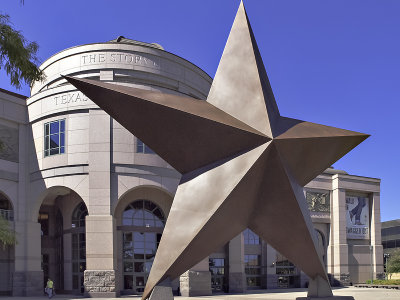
pixel 331 62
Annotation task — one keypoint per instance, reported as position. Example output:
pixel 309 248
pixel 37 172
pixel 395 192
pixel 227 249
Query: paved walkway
pixel 290 294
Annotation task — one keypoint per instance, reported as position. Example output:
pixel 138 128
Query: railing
pixel 7 214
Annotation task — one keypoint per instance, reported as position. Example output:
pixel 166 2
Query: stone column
pixel 100 263
pixel 376 241
pixel 237 277
pixel 338 252
pixel 100 272
pixel 28 275
pixel 197 280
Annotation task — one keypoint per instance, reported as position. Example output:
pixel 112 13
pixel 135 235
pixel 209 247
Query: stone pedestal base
pixel 195 283
pixel 100 284
pixel 28 283
pixel 319 288
pixel 161 293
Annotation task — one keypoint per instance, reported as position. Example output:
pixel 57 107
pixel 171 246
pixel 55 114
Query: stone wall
pixel 237 282
pixel 28 283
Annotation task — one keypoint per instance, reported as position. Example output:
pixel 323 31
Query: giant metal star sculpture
pixel 242 164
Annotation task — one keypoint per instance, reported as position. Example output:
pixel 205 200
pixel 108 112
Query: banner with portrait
pixel 357 216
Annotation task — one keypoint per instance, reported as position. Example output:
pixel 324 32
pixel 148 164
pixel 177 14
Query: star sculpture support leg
pixel 253 174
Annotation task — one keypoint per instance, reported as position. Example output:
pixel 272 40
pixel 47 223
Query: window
pixel 250 238
pixel 139 246
pixel 143 213
pixel 43 219
pixel 391 244
pixel 78 246
pixel 143 148
pixel 217 266
pixel 54 138
pixel 78 216
pixel 218 275
pixel 288 275
pixel 252 265
pixel 395 230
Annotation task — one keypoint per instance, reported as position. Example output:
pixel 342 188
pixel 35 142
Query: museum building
pixel 89 201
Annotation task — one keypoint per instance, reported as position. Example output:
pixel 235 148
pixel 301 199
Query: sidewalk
pixel 288 294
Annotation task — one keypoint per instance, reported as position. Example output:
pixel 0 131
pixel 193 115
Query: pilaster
pixel 338 253
pixel 376 241
pixel 99 162
pixel 28 274
pixel 100 256
pixel 237 276
pixel 269 254
pixel 100 271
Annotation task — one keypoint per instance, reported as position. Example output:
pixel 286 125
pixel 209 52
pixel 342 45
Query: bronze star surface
pixel 243 165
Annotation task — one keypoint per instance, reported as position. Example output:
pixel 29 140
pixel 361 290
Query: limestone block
pixel 99 161
pixel 28 283
pixel 78 158
pixel 123 157
pixel 77 136
pixel 101 282
pixel 195 283
pixel 107 75
pixel 78 121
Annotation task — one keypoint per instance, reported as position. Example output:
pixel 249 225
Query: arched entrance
pixel 6 253
pixel 142 226
pixel 63 239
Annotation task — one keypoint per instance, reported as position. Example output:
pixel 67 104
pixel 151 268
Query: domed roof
pixel 122 39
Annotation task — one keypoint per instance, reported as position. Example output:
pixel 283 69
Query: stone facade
pixel 28 283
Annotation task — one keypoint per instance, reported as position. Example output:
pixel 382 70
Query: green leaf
pixel 7 234
pixel 393 263
pixel 17 55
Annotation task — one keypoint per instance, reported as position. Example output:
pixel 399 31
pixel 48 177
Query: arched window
pixel 250 238
pixel 321 239
pixel 78 216
pixel 143 148
pixel 143 213
pixel 143 223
